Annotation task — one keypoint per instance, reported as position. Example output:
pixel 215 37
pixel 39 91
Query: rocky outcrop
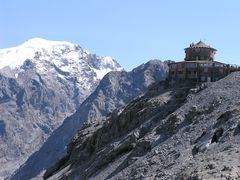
pixel 174 131
pixel 115 90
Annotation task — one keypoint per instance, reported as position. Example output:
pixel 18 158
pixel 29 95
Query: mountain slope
pixel 174 131
pixel 43 82
pixel 114 90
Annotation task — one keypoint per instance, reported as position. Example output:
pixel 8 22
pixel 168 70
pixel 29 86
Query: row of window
pixel 199 57
pixel 194 65
pixel 200 50
pixel 205 70
pixel 206 65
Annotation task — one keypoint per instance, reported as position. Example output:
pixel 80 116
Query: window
pixel 197 50
pixel 191 65
pixel 181 65
pixel 203 79
pixel 205 69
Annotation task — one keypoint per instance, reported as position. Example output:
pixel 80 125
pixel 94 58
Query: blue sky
pixel 131 31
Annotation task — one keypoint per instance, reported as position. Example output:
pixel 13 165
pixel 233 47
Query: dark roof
pixel 200 44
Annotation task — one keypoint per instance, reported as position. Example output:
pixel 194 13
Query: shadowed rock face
pixel 114 90
pixel 174 131
pixel 39 87
pixel 2 128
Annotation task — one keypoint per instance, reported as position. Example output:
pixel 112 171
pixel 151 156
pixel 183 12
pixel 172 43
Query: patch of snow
pixel 107 60
pixel 101 72
pixel 15 57
pixel 120 111
pixel 43 43
pixel 72 55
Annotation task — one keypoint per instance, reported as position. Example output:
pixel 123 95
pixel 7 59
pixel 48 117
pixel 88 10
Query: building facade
pixel 199 65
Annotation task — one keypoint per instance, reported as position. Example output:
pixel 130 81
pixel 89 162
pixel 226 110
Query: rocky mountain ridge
pixel 115 90
pixel 174 131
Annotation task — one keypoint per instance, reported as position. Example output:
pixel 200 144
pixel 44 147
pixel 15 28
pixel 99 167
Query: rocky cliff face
pixel 42 82
pixel 114 90
pixel 174 131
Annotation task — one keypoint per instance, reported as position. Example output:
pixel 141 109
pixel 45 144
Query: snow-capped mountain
pixel 42 82
pixel 58 59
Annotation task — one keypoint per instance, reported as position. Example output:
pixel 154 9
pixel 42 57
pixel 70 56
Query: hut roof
pixel 200 44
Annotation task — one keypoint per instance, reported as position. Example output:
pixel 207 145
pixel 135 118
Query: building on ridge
pixel 199 65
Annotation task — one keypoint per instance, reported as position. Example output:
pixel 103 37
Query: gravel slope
pixel 174 131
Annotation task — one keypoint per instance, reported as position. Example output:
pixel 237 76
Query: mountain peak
pixel 14 57
pixel 43 43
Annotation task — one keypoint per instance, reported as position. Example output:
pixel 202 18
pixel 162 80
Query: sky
pixel 130 31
